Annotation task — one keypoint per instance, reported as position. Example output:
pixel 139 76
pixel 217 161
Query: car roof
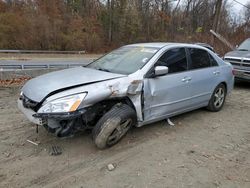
pixel 205 45
pixel 163 44
pixel 152 44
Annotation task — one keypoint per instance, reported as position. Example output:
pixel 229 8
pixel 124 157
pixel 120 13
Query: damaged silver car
pixel 132 86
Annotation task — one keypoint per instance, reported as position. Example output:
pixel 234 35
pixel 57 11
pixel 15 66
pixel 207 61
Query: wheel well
pixel 225 84
pixel 95 112
pixel 114 101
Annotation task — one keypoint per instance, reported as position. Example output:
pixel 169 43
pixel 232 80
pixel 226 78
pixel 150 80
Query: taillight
pixel 233 72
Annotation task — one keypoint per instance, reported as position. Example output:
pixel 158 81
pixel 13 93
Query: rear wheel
pixel 113 125
pixel 217 99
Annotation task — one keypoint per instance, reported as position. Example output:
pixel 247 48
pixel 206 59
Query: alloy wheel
pixel 119 131
pixel 219 97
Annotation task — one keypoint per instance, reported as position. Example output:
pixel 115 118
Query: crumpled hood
pixel 239 54
pixel 38 88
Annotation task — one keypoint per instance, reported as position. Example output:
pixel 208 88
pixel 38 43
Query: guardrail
pixel 42 52
pixel 4 67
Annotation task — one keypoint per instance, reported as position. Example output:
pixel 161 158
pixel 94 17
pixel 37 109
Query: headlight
pixel 64 104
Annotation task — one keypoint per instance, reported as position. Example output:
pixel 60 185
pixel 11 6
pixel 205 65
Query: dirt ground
pixel 203 149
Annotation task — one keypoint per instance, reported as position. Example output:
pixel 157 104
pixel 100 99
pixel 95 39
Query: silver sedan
pixel 131 86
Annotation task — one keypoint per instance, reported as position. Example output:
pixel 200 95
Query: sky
pixel 237 7
pixel 236 10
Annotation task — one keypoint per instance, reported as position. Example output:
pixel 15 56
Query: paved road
pixel 10 64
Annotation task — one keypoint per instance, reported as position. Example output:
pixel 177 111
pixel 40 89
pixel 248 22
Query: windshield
pixel 124 60
pixel 245 46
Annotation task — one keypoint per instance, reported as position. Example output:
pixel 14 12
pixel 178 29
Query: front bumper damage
pixel 62 124
pixel 29 113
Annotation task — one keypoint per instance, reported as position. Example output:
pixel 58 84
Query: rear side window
pixel 213 61
pixel 199 58
pixel 175 59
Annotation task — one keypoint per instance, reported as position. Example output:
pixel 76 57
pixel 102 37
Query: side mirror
pixel 237 46
pixel 161 70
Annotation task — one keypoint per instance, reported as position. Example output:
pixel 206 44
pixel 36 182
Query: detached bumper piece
pixel 55 150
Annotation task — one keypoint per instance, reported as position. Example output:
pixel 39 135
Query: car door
pixel 168 94
pixel 204 77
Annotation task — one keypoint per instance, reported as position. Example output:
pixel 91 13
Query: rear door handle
pixel 216 72
pixel 186 79
pixel 183 79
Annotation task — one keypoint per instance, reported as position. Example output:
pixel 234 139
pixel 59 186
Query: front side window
pixel 175 59
pixel 199 58
pixel 124 60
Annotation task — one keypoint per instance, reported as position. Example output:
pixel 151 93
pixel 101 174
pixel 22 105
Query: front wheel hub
pixel 119 131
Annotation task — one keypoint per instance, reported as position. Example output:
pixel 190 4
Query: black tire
pixel 217 100
pixel 113 125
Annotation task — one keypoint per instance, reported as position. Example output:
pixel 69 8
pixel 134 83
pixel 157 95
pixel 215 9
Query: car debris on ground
pixel 55 150
pixel 34 143
pixel 111 167
pixel 170 122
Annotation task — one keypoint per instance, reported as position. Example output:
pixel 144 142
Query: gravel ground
pixel 203 149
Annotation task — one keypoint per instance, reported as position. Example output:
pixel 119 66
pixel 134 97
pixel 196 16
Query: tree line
pixel 100 25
